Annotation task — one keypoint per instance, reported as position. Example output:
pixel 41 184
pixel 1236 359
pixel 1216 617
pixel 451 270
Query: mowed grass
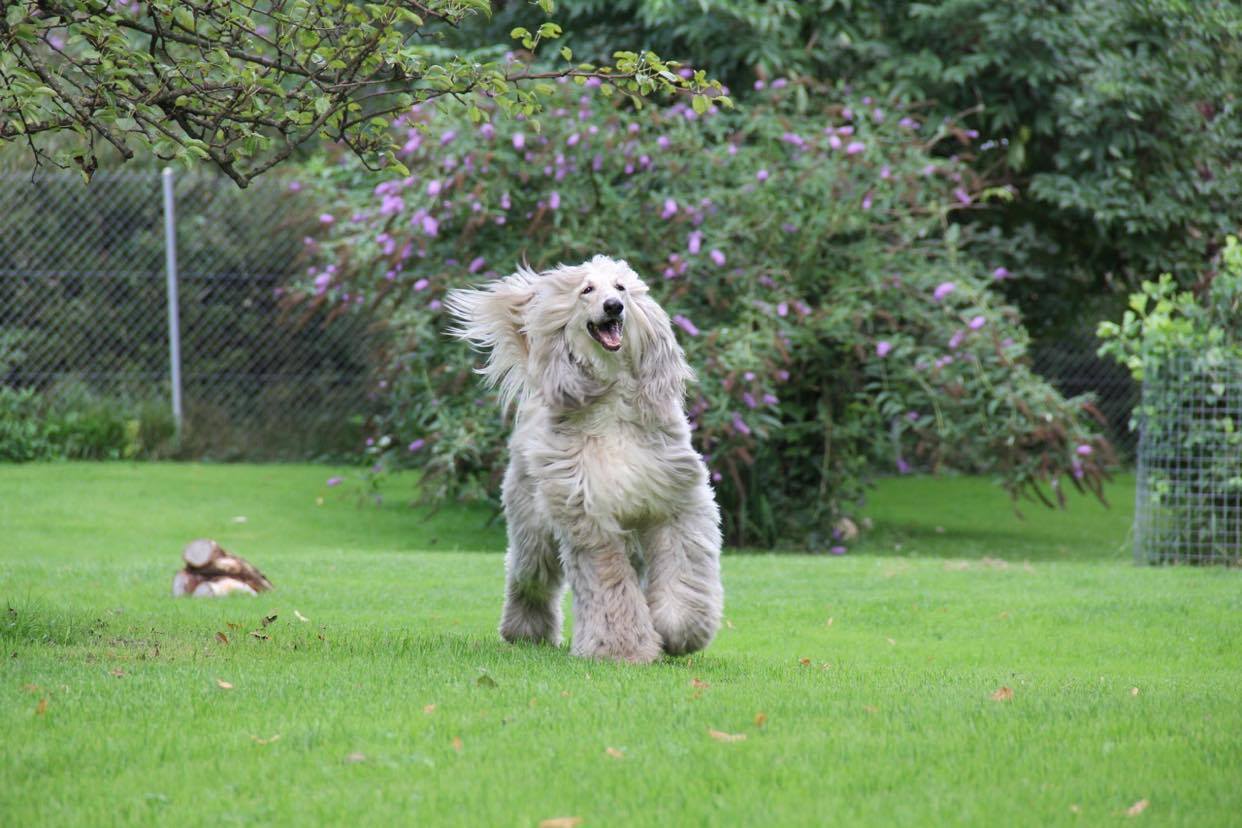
pixel 844 690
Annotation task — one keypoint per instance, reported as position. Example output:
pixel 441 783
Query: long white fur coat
pixel 603 489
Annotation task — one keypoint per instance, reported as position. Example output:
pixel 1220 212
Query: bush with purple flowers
pixel 837 319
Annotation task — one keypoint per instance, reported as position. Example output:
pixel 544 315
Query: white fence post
pixel 174 318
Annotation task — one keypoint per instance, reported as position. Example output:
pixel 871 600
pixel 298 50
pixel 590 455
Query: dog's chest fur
pixel 609 462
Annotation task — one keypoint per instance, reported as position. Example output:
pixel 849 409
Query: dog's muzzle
pixel 607 332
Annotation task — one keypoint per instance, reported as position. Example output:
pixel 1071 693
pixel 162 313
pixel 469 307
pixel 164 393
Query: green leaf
pixel 183 16
pixel 701 104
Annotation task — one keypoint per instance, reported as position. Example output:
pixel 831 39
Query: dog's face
pixel 599 312
pixel 570 332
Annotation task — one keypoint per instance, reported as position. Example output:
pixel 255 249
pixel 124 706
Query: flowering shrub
pixel 835 316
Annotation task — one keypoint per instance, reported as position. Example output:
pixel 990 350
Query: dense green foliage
pixel 804 250
pixel 1163 321
pixel 74 422
pixel 888 722
pixel 1117 123
pixel 244 86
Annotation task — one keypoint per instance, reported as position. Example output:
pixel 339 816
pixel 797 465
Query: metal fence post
pixel 174 319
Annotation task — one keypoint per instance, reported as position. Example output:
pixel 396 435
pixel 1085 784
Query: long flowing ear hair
pixel 562 377
pixel 493 320
pixel 659 362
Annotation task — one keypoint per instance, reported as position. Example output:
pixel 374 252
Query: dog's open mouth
pixel 607 333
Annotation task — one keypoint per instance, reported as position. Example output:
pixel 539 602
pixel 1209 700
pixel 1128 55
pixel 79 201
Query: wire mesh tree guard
pixel 1188 507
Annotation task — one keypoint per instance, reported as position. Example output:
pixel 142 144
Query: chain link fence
pixel 1070 363
pixel 1188 507
pixel 84 311
pixel 84 316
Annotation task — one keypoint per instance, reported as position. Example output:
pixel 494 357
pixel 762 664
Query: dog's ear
pixel 562 379
pixel 493 320
pixel 659 362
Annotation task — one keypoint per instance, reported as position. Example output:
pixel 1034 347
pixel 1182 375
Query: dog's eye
pixel 587 289
pixel 620 287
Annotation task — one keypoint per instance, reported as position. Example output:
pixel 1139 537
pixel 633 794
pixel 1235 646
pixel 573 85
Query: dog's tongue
pixel 610 335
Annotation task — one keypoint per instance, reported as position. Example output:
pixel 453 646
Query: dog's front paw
pixel 640 649
pixel 685 630
pixel 536 624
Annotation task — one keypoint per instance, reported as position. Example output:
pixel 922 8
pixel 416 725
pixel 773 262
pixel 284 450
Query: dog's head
pixel 570 333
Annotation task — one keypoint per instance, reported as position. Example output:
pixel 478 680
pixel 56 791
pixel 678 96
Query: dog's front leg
pixel 533 577
pixel 683 577
pixel 611 618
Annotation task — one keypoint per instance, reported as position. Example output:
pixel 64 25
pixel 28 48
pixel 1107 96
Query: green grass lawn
pixel 862 684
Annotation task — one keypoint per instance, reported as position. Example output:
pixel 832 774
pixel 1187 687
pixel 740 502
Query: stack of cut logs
pixel 210 571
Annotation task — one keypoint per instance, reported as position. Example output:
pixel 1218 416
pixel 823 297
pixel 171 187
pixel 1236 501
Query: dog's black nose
pixel 613 307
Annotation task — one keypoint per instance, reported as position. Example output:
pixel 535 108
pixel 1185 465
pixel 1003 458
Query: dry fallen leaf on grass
pixel 729 624
pixel 222 638
pixel 1002 694
pixel 891 641
pixel 262 636
pixel 41 707
pixel 830 620
pixel 354 758
pixel 721 736
pixel 1137 808
pixel 457 744
pixel 805 662
pixel 223 685
pixel 761 719
pixel 1134 691
pixel 871 708
pixel 614 753
pixel 267 619
pixel 698 683
pixel 267 741
pixel 300 616
pixel 561 822
pixel 118 672
pixel 429 709
pixel 1075 809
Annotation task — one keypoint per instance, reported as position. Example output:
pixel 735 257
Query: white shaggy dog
pixel 603 488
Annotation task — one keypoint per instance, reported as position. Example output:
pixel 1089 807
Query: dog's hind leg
pixel 683 578
pixel 611 619
pixel 533 575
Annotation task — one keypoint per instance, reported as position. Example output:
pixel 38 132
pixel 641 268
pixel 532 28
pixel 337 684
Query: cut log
pixel 210 570
pixel 206 557
pixel 184 583
pixel 222 586
pixel 198 554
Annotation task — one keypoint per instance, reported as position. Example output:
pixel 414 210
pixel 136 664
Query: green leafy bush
pixel 804 250
pixel 71 421
pixel 22 434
